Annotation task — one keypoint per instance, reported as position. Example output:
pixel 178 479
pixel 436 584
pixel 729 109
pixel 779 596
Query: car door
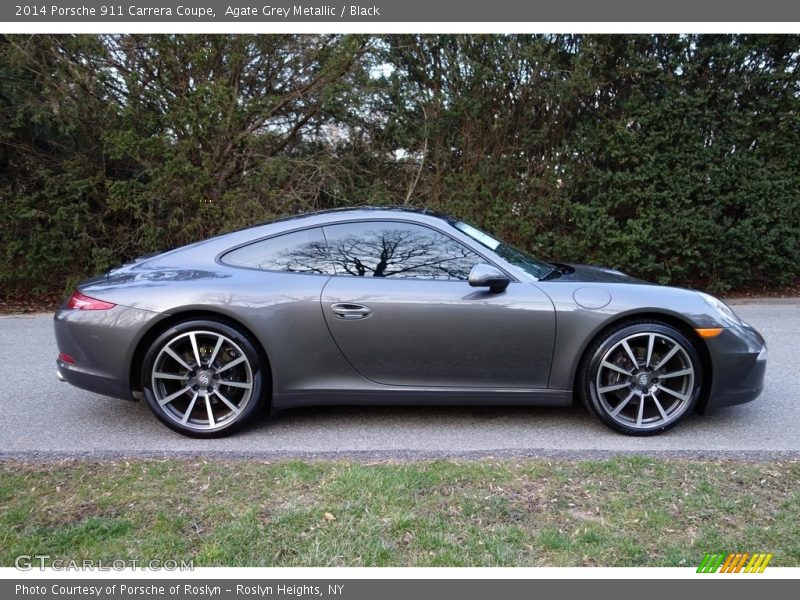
pixel 401 311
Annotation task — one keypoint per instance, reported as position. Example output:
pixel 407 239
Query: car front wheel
pixel 642 378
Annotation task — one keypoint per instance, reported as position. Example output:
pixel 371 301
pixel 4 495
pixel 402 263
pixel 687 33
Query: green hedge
pixel 675 158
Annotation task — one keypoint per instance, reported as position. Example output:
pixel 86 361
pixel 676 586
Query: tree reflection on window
pixel 397 250
pixel 298 252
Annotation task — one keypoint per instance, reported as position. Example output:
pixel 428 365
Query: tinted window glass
pixel 515 256
pixel 298 252
pixel 397 250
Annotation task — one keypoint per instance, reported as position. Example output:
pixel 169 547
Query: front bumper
pixel 102 343
pixel 739 365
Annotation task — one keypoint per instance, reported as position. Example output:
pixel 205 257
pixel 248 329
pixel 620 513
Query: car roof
pixel 353 211
pixel 336 215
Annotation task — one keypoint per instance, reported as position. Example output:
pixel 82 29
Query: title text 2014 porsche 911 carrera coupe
pixel 396 306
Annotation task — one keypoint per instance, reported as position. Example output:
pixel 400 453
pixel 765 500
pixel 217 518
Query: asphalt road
pixel 42 417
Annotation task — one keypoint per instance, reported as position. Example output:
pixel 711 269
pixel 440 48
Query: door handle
pixel 348 311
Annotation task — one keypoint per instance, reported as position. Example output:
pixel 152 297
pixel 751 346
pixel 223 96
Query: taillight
pixel 80 301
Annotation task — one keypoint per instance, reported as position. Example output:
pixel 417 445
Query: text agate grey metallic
pixel 396 306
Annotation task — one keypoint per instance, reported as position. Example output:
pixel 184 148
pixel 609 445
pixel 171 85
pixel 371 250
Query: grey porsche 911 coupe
pixel 396 306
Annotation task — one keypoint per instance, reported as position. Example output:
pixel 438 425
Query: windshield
pixel 509 253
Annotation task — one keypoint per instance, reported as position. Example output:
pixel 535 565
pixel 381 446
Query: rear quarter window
pixel 296 252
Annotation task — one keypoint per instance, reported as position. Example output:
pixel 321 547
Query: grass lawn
pixel 618 512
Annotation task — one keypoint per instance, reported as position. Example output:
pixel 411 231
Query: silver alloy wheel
pixel 645 381
pixel 202 380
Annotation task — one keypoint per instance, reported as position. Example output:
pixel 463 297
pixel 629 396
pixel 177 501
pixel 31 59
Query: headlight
pixel 721 308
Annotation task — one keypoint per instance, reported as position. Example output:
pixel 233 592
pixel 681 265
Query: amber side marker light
pixel 708 332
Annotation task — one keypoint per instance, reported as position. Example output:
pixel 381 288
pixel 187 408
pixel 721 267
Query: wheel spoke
pixel 630 354
pixel 211 421
pixel 188 412
pixel 683 397
pixel 233 363
pixel 650 343
pixel 220 340
pixel 660 408
pixel 640 415
pixel 174 355
pixel 611 388
pixel 172 396
pixel 622 404
pixel 666 358
pixel 680 373
pixel 236 384
pixel 196 350
pixel 171 376
pixel 614 367
pixel 230 404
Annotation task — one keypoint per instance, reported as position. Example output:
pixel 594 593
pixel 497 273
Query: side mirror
pixel 483 275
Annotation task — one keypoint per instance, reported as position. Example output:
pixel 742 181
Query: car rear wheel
pixel 203 378
pixel 642 378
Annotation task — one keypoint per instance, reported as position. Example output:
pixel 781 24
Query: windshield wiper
pixel 552 273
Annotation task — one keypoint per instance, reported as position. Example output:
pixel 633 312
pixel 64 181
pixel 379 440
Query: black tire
pixel 221 395
pixel 653 398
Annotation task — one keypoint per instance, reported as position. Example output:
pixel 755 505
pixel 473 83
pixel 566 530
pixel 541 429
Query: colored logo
pixel 740 562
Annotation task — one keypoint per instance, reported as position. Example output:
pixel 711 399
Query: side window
pixel 298 252
pixel 397 250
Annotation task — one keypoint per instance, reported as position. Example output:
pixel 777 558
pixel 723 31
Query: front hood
pixel 593 273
